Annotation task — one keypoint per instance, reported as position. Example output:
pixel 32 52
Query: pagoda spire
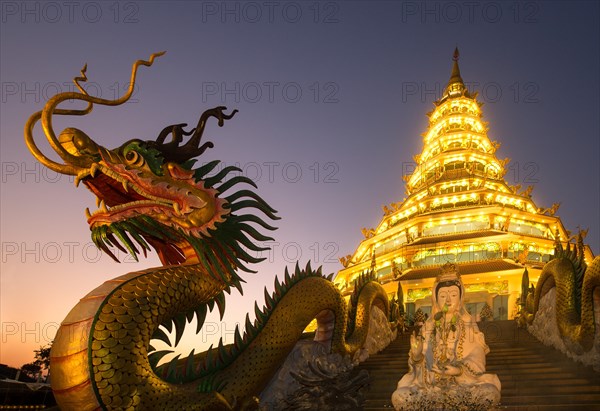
pixel 456 83
pixel 455 76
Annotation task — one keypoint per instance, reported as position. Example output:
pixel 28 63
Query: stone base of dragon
pixel 564 308
pixel 312 377
pixel 149 196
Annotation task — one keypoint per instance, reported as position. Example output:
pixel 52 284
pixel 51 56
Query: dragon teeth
pixel 98 202
pixel 103 206
pixel 80 177
pixel 125 186
pixel 87 213
pixel 93 169
pixel 177 208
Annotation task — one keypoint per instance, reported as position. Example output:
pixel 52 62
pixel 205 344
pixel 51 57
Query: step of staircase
pixel 534 377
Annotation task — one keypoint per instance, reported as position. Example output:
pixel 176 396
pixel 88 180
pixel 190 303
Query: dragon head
pixel 149 195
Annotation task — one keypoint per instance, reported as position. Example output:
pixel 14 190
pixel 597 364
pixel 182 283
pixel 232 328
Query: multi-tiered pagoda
pixel 460 209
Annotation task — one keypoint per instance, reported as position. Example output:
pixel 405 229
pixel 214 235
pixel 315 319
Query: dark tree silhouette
pixel 42 357
pixel 41 362
pixel 31 370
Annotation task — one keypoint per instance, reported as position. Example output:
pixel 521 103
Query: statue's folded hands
pixel 447 371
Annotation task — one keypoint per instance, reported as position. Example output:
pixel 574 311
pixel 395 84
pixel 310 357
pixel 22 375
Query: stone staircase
pixel 534 377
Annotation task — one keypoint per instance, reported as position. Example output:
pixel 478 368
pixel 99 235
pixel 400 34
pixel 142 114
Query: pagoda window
pixel 453 189
pixel 432 257
pixel 455 165
pixel 384 271
pixel 534 256
pixel 475 255
pixel 480 252
pixel 391 244
pixel 525 229
pixel 514 249
pixel 455 228
pixel 478 166
pixel 473 252
pixel 430 174
pixel 431 260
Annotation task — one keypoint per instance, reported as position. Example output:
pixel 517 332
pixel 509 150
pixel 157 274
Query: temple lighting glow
pixel 459 209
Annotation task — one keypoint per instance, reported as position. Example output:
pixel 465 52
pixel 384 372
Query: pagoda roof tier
pixel 474 198
pixel 457 237
pixel 390 225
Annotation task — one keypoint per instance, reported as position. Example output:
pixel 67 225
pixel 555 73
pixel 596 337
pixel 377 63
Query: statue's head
pixel 448 289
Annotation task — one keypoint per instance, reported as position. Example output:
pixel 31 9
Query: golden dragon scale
pixel 100 354
pixel 101 347
pixel 149 196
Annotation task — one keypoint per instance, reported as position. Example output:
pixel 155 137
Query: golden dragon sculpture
pixel 150 196
pixel 577 286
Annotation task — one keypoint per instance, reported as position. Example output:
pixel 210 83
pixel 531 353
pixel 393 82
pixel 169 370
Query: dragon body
pixel 577 286
pixel 150 197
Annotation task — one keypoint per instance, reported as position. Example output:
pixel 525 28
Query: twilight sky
pixel 332 99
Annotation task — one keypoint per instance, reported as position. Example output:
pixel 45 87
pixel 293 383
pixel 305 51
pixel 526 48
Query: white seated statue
pixel 447 359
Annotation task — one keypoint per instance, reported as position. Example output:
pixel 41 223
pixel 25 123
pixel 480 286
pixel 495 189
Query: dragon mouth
pixel 119 198
pixel 163 211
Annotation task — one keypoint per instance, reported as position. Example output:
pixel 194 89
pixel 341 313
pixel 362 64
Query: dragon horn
pixel 73 164
pixel 192 148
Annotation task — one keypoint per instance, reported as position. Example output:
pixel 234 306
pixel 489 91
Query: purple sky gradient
pixel 332 99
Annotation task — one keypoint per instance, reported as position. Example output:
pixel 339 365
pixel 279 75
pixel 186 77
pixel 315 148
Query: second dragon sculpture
pixel 577 287
pixel 150 197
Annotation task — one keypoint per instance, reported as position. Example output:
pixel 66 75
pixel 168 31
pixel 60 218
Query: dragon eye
pixel 134 158
pixel 76 142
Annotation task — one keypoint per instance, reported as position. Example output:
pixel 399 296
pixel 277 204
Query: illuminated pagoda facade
pixel 459 209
